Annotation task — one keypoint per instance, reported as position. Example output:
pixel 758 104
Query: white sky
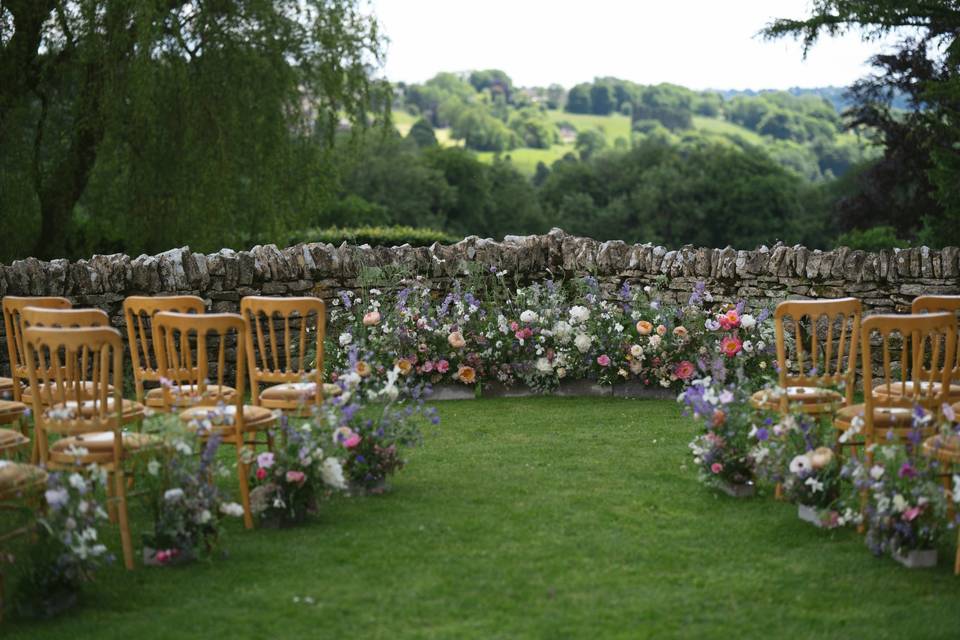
pixel 696 43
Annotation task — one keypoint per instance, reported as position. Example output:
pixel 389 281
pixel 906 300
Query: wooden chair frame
pixel 137 310
pixel 12 307
pixel 266 363
pixel 177 362
pixel 98 350
pixel 938 304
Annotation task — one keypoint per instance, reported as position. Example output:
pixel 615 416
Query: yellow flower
pixel 363 369
pixel 404 365
pixel 467 375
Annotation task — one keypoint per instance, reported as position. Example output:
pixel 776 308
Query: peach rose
pixel 363 369
pixel 661 330
pixel 466 375
pixel 680 332
pixel 821 457
pixel 404 365
pixel 644 328
pixel 456 340
pixel 371 318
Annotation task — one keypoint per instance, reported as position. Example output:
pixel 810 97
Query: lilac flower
pixel 347 304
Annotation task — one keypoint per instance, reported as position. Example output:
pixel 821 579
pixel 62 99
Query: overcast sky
pixel 696 43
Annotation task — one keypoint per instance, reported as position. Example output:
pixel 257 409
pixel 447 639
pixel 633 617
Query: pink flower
pixel 297 477
pixel 603 360
pixel 427 366
pixel 352 441
pixel 716 467
pixel 684 370
pixel 514 326
pixel 729 320
pixel 371 318
pixel 731 346
pixel 443 366
pixel 911 514
pixel 518 335
pixel 261 473
pixel 265 460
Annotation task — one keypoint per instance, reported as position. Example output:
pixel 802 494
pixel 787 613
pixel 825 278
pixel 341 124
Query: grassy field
pixel 532 518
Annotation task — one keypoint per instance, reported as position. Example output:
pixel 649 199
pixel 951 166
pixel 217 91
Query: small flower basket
pixel 738 490
pixel 375 488
pixel 916 558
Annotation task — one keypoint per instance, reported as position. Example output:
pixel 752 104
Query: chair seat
pixel 896 389
pixel 290 395
pixel 805 399
pixel 130 411
pixel 6 387
pixel 222 418
pixel 11 411
pixel 17 476
pixel 48 391
pixel 945 448
pixel 883 417
pixel 98 446
pixel 188 395
pixel 10 439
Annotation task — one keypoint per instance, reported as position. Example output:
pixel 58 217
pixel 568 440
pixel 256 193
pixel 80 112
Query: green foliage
pixel 589 142
pixel 533 128
pixel 481 131
pixel 874 239
pixel 670 105
pixel 578 99
pixel 375 236
pixel 422 133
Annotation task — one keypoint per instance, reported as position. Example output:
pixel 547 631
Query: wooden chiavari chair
pixel 12 306
pixel 279 339
pixel 182 342
pixel 82 369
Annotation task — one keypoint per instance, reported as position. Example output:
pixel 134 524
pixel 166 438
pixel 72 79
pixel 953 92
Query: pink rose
pixel 684 370
pixel 427 366
pixel 603 360
pixel 661 330
pixel 911 514
pixel 371 318
pixel 261 473
pixel 352 441
pixel 297 477
pixel 716 467
pixel 443 366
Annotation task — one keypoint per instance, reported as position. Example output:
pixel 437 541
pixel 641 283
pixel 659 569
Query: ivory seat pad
pixel 807 395
pixel 154 397
pixel 86 386
pixel 17 475
pixel 10 438
pixel 222 418
pixel 883 417
pixel 898 389
pixel 943 447
pixel 128 408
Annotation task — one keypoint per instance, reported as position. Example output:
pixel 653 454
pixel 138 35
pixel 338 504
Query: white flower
pixel 800 463
pixel 56 498
pixel 900 503
pixel 761 345
pixel 562 330
pixel 529 316
pixel 352 380
pixel 77 482
pixel 814 484
pixel 876 472
pixel 153 467
pixel 332 473
pixel 711 325
pixel 956 488
pixel 636 351
pixel 654 341
pixel 345 339
pixel 204 517
pixel 89 534
pixel 172 495
pixel 583 342
pixel 747 321
pixel 579 314
pixel 98 549
pixel 759 454
pixel 883 504
pixel 561 372
pixel 748 346
pixel 231 509
pixel 618 328
pixel 543 365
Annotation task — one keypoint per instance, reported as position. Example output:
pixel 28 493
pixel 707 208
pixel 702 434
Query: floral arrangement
pixel 905 502
pixel 722 452
pixel 546 332
pixel 376 414
pixel 67 549
pixel 794 451
pixel 290 481
pixel 185 502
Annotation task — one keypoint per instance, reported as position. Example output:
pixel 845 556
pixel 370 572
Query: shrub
pixel 376 236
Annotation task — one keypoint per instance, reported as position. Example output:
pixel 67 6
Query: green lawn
pixel 540 518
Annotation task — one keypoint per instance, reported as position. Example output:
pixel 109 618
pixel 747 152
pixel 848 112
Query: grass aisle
pixel 543 518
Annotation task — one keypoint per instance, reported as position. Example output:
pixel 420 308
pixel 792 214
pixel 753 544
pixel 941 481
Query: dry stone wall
pixel 886 281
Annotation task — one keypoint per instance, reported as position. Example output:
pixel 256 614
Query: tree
pixel 917 177
pixel 170 121
pixel 669 104
pixel 497 81
pixel 578 99
pixel 601 99
pixel 589 142
pixel 422 133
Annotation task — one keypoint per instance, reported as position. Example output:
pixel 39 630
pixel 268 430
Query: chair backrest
pixel 12 307
pixel 139 312
pixel 63 318
pixel 280 335
pixel 825 335
pixel 184 342
pixel 933 304
pixel 78 366
pixel 924 346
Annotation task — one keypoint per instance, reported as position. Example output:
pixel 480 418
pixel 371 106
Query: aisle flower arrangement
pixel 67 549
pixel 186 504
pixel 905 502
pixel 375 416
pixel 544 333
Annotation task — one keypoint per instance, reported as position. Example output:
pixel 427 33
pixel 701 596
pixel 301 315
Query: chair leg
pixel 111 498
pixel 243 472
pixel 121 490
